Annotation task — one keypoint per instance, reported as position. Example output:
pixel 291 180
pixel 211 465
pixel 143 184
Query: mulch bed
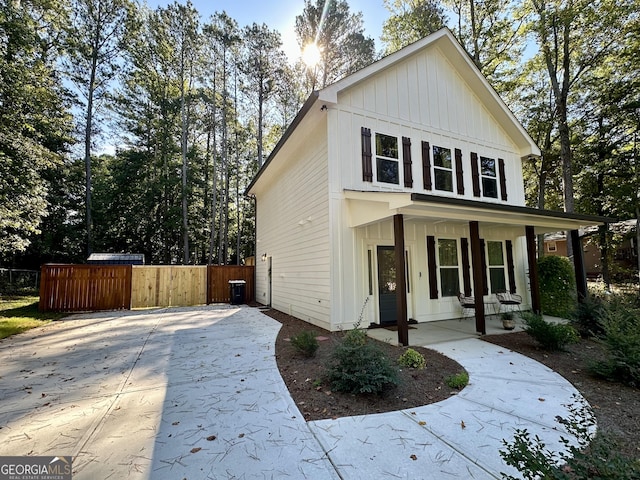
pixel 616 406
pixel 305 380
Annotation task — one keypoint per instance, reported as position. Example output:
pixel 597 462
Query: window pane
pixel 488 166
pixel 496 276
pixel 387 171
pixel 441 157
pixel 448 253
pixel 489 187
pixel 449 282
pixel 444 180
pixel 386 145
pixel 494 249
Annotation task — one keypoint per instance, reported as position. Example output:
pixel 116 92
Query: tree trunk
pixel 87 149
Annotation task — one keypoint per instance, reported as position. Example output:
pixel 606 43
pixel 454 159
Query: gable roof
pixel 456 55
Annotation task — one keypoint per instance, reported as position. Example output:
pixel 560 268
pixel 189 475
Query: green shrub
pixel 412 359
pixel 621 336
pixel 458 381
pixel 588 316
pixel 358 366
pixel 557 286
pixel 305 343
pixel 592 457
pixel 551 336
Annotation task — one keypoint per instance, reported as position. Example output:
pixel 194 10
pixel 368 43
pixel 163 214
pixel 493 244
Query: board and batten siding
pixel 424 98
pixel 292 229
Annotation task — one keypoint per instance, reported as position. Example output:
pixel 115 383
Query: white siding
pixel 425 99
pixel 292 229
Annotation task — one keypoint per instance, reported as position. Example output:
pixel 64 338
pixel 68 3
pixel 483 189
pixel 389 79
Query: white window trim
pixel 458 266
pixel 398 160
pixel 434 168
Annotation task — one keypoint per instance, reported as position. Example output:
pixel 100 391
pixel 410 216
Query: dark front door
pixel 387 285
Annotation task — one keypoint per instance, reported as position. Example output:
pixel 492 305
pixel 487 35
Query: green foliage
pixel 342 42
pixel 551 336
pixel 588 316
pixel 592 457
pixel 35 119
pixel 409 22
pixel 412 359
pixel 305 343
pixel 458 381
pixel 557 286
pixel 621 336
pixel 360 367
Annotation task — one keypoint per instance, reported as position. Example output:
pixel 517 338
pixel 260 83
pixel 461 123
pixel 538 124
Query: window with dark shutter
pixel 406 160
pixel 367 167
pixel 510 266
pixel 475 174
pixel 426 166
pixel 483 259
pixel 503 179
pixel 459 172
pixel 466 266
pixel 432 267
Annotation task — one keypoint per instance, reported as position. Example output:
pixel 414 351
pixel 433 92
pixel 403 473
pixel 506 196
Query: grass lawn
pixel 20 313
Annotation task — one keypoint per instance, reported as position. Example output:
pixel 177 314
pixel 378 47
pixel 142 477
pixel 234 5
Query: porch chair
pixel 468 305
pixel 508 301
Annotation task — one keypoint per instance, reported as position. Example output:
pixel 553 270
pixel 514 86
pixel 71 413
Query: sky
pixel 280 15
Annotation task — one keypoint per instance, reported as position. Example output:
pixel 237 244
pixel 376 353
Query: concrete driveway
pixel 195 393
pixel 175 393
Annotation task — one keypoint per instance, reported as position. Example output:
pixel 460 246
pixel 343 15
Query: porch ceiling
pixel 370 207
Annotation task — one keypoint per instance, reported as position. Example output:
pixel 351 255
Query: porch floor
pixel 429 333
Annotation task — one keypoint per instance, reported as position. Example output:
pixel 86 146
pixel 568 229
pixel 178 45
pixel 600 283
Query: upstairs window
pixel 387 163
pixel 443 169
pixel 449 271
pixel 489 177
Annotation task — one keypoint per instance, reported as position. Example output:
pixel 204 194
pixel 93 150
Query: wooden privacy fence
pixel 75 288
pixel 218 282
pixel 164 286
pixel 80 288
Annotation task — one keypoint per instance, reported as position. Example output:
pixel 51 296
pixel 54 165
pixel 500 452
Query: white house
pixel 399 186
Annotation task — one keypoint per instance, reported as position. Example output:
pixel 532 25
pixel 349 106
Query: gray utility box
pixel 236 291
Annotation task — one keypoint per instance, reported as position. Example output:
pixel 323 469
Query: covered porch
pixel 366 208
pixel 431 333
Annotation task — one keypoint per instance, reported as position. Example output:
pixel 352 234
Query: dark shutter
pixel 466 276
pixel 432 266
pixel 503 179
pixel 406 160
pixel 426 165
pixel 459 172
pixel 510 267
pixel 475 174
pixel 483 259
pixel 367 168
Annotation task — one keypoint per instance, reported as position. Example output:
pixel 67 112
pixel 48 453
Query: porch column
pixel 534 282
pixel 478 277
pixel 401 284
pixel 578 265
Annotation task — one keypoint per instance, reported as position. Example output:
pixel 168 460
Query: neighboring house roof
pixel 116 259
pixel 455 54
pixel 623 227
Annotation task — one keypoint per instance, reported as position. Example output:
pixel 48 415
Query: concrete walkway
pixel 195 393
